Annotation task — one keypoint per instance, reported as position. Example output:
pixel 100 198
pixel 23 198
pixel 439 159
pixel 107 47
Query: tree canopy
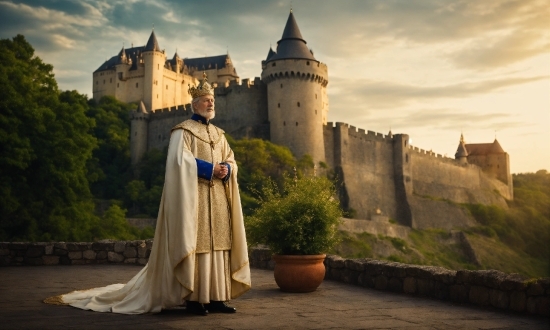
pixel 51 150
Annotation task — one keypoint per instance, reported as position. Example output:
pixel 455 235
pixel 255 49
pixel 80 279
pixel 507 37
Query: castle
pixel 381 176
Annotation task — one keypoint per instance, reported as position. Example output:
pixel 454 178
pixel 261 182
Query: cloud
pixel 383 95
pixel 494 52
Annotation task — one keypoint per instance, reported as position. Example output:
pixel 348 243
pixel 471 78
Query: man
pixel 199 252
pixel 215 167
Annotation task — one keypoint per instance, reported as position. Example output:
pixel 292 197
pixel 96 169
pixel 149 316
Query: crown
pixel 204 88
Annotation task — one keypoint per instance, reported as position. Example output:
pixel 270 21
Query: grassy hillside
pixel 516 240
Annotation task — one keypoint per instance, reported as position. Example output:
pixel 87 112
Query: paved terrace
pixel 333 306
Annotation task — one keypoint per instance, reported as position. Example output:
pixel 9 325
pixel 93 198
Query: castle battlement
pixel 362 134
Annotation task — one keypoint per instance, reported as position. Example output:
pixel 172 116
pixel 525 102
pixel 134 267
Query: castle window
pixel 137 84
pixel 281 85
pixel 166 86
pixel 103 81
pixel 278 105
pixel 316 96
pixel 157 96
pixel 405 143
pixel 158 66
pixel 117 85
pixel 307 62
pixel 406 158
pixel 284 123
pixel 296 123
pixel 274 64
pixel 110 80
pixel 315 111
pixel 298 104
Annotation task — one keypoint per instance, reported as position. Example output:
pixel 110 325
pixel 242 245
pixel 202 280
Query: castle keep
pixel 289 106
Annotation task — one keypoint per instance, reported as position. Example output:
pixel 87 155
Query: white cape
pixel 169 275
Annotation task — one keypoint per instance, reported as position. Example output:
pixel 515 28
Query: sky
pixel 429 69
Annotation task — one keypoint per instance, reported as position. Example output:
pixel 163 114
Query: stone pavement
pixel 333 306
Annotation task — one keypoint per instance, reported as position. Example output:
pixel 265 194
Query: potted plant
pixel 298 222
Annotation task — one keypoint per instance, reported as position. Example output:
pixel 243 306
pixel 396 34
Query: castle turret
pixel 138 137
pixel 296 93
pixel 154 60
pixel 461 153
pixel 493 160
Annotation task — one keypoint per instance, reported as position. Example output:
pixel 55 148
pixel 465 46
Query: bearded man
pixel 199 254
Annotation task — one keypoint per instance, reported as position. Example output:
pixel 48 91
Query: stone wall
pixel 241 111
pixel 510 292
pixel 79 253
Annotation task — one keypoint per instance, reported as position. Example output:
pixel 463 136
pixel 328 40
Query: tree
pixel 110 168
pixel 45 143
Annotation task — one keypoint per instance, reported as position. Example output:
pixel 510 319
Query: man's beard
pixel 208 114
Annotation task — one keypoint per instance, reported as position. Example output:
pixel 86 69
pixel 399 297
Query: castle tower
pixel 296 94
pixel 154 60
pixel 121 68
pixel 139 119
pixel 461 153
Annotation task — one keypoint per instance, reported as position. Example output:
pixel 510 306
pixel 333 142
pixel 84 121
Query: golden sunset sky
pixel 430 69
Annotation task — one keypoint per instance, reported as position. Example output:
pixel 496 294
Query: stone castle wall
pixel 412 186
pixel 241 111
pixel 363 160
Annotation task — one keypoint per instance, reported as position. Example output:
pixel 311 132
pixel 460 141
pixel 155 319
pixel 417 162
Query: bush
pixel 299 219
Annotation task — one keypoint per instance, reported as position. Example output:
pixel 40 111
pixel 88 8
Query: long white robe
pixel 168 278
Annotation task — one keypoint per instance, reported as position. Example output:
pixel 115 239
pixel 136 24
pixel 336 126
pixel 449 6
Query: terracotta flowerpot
pixel 299 273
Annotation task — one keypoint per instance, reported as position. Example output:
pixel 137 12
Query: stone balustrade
pixel 510 292
pixel 79 253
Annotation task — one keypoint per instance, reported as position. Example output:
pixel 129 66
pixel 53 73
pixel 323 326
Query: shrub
pixel 299 218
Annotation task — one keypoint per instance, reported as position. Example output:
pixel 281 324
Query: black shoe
pixel 197 308
pixel 219 307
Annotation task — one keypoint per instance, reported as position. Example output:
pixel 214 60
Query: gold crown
pixel 204 88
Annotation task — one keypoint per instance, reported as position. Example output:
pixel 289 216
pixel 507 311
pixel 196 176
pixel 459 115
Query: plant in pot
pixel 298 222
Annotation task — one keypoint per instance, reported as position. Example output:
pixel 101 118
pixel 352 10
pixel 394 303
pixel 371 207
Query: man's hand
pixel 220 171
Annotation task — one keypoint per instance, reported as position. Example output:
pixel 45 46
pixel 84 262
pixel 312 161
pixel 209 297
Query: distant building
pixel 380 175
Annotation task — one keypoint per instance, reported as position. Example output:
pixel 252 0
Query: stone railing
pixel 61 253
pixel 479 287
pixel 510 292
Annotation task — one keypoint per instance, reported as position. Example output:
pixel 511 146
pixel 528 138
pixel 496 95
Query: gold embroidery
pixel 214 225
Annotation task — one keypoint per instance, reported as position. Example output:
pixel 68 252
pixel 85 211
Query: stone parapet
pixel 509 292
pixel 75 253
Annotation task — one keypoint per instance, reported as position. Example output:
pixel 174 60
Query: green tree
pixel 110 169
pixel 45 143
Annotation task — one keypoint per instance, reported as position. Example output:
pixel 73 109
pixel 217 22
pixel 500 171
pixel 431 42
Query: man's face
pixel 205 107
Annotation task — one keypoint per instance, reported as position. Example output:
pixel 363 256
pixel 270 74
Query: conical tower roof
pixel 141 108
pixel 270 54
pixel 292 45
pixel 152 43
pixel 461 150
